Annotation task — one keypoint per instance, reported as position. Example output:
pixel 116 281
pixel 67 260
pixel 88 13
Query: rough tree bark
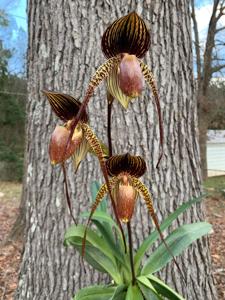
pixel 64 51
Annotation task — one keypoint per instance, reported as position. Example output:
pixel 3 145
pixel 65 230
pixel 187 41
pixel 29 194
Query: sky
pixel 15 37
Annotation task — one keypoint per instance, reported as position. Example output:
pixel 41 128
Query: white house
pixel 216 152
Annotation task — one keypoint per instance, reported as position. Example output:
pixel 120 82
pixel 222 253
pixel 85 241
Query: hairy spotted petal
pixel 133 165
pixel 64 106
pixel 143 191
pixel 99 197
pixel 128 34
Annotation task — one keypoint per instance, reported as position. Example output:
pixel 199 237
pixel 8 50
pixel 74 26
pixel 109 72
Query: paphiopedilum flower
pixel 67 141
pixel 124 43
pixel 125 171
pixel 83 138
pixel 126 187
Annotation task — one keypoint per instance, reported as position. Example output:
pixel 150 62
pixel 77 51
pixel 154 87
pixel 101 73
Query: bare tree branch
pixel 221 11
pixel 196 43
pixel 217 68
pixel 220 29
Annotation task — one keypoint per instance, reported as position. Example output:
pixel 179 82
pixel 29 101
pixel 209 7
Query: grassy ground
pixel 215 185
pixel 10 254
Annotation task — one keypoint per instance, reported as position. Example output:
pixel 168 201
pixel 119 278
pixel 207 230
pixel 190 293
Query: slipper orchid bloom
pixel 81 140
pixel 125 171
pixel 124 43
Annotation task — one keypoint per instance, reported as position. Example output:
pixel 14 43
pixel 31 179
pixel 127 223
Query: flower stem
pixel 131 252
pixel 109 114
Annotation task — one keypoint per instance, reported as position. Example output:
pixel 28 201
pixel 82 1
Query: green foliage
pixel 12 123
pixel 5 54
pixel 106 253
pixel 216 97
pixel 3 19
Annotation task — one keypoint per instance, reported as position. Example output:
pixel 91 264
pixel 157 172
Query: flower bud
pixel 131 79
pixel 59 148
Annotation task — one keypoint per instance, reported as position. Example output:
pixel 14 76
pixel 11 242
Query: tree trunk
pixel 204 117
pixel 64 51
pixel 203 128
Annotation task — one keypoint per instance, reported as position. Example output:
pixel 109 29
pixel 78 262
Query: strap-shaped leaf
pixel 100 252
pixel 141 188
pixel 155 234
pixel 148 289
pixel 97 292
pixel 75 232
pixel 177 241
pixel 134 293
pixel 101 193
pixel 164 289
pixel 120 293
pixel 103 217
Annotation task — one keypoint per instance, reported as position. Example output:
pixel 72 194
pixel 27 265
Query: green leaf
pixel 108 232
pixel 177 241
pixel 104 217
pixel 97 250
pixel 116 248
pixel 164 289
pixel 144 280
pixel 165 224
pixel 96 258
pixel 134 293
pixel 95 186
pixel 120 293
pixel 149 293
pixel 95 293
pixel 101 219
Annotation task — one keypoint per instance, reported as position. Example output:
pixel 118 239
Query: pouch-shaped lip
pixel 133 165
pixel 128 34
pixel 64 106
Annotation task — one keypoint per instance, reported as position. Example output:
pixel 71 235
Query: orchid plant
pixel 124 43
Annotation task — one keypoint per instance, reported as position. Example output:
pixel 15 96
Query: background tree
pixel 64 51
pixel 216 96
pixel 12 115
pixel 209 61
pixel 12 123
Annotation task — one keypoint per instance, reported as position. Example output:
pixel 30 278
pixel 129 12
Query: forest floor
pixel 10 253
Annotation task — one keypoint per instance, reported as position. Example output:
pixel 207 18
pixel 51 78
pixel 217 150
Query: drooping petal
pixel 96 147
pixel 143 191
pixel 99 197
pixel 64 106
pixel 128 34
pixel 133 165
